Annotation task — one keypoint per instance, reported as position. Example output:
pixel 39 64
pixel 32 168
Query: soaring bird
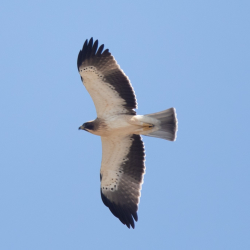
pixel 120 128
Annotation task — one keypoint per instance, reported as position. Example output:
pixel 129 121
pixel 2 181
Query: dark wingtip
pixel 135 216
pixel 81 54
pixel 88 50
pixel 99 52
pixel 122 213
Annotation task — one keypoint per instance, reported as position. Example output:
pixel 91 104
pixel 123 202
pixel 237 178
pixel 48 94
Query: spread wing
pixel 122 173
pixel 108 86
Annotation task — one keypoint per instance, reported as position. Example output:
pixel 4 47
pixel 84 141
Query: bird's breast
pixel 115 125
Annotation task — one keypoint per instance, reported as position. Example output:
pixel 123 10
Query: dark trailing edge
pixel 104 62
pixel 123 213
pixel 123 203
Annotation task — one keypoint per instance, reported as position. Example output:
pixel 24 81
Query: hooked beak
pixel 81 127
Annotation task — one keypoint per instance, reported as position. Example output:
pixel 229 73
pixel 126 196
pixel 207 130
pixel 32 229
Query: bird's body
pixel 123 125
pixel 123 155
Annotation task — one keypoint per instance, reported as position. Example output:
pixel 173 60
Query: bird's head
pixel 88 126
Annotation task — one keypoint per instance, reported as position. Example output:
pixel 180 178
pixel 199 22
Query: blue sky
pixel 191 55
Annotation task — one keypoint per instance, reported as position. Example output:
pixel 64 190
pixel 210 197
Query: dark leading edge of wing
pixel 104 62
pixel 123 203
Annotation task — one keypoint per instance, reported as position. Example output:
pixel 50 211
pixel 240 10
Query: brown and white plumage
pixel 106 83
pixel 123 156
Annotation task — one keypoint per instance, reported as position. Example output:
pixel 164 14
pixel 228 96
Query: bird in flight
pixel 120 128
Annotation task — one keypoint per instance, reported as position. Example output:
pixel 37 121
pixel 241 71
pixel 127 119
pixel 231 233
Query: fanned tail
pixel 168 125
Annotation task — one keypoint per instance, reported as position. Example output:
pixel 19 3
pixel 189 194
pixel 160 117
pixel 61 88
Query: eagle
pixel 120 129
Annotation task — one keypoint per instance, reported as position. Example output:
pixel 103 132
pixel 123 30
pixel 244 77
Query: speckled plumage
pixel 123 155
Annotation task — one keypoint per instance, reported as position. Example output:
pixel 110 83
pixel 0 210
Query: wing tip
pixel 89 49
pixel 123 213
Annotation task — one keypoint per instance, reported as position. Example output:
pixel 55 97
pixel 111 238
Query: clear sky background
pixel 191 55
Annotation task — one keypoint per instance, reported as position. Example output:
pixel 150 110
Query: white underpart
pixel 115 150
pixel 121 125
pixel 116 141
pixel 142 120
pixel 107 101
pixel 145 119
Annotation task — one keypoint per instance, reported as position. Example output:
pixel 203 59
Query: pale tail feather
pixel 168 124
